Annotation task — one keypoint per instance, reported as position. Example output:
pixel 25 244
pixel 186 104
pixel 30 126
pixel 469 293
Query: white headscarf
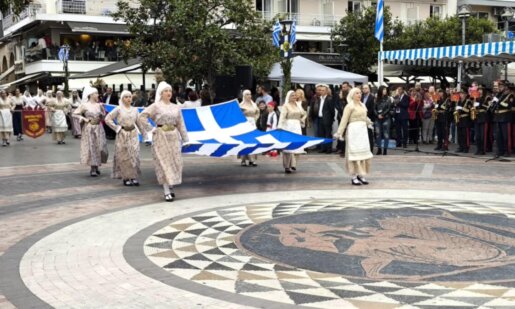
pixel 88 90
pixel 124 94
pixel 287 100
pixel 162 86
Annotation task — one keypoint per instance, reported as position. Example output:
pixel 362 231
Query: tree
pixel 197 39
pixel 15 5
pixel 356 31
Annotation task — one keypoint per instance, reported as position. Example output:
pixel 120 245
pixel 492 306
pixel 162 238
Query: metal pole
pixel 506 30
pixel 460 67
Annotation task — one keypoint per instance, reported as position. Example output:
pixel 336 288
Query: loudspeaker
pixel 225 88
pixel 244 78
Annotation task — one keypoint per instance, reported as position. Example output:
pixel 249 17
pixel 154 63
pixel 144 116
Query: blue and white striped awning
pixel 472 55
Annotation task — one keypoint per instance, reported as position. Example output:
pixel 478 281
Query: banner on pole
pixel 33 122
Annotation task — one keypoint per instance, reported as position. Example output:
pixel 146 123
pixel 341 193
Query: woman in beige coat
pixel 293 118
pixel 251 112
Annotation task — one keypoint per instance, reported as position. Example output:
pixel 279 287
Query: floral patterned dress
pixel 166 140
pixel 126 161
pixel 93 145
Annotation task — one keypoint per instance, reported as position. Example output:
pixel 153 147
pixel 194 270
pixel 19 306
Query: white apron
pixel 59 121
pixel 357 141
pixel 6 120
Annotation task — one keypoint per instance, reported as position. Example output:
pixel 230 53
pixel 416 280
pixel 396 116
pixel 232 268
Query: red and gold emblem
pixel 33 122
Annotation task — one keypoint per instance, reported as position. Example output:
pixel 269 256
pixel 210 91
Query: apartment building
pixel 498 11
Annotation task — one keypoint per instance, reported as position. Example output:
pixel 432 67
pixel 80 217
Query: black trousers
pixel 463 138
pixel 401 130
pixel 326 132
pixel 480 135
pixel 502 137
pixel 443 134
pixel 17 122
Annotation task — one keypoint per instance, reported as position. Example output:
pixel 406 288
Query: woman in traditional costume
pixel 93 145
pixel 292 118
pixel 354 125
pixel 75 102
pixel 251 111
pixel 19 103
pixel 6 118
pixel 166 138
pixel 59 107
pixel 126 162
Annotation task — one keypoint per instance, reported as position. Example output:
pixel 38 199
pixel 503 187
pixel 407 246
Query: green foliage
pixel 198 39
pixel 15 5
pixel 356 31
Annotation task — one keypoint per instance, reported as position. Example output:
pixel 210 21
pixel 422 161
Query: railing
pixel 81 54
pixel 315 20
pixel 86 7
pixel 31 11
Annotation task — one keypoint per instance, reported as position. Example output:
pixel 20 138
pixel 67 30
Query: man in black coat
pixel 322 112
pixel 401 104
pixel 369 101
pixel 110 97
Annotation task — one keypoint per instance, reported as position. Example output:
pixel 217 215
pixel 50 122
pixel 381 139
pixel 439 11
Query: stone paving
pixel 65 234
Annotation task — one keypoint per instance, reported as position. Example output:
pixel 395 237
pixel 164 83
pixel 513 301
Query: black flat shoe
pixel 135 182
pixel 362 180
pixel 355 182
pixel 62 143
pixel 287 171
pixel 293 168
pixel 168 198
pixel 97 171
pixel 253 164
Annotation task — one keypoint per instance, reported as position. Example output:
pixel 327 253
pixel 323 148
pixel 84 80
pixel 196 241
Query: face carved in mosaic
pixel 442 244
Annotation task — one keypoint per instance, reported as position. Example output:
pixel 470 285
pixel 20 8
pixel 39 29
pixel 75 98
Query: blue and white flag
pixel 379 31
pixel 293 34
pixel 276 34
pixel 222 130
pixel 63 54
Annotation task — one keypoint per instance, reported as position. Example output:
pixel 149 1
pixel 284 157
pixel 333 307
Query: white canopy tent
pixel 305 71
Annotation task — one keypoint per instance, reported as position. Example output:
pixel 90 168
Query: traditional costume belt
pixel 463 116
pixel 129 128
pixel 60 108
pixel 502 111
pixel 94 121
pixel 166 127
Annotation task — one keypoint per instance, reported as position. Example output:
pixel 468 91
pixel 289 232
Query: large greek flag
pixel 222 130
pixel 379 30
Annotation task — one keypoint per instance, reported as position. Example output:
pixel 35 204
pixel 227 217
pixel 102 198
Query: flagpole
pixel 380 66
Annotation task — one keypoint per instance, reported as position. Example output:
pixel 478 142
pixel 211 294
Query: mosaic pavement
pixel 278 251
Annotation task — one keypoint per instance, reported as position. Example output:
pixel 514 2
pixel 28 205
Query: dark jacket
pixel 370 106
pixel 328 112
pixel 401 107
pixel 113 100
pixel 383 108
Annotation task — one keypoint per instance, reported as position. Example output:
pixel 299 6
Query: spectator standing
pixel 400 104
pixel 382 111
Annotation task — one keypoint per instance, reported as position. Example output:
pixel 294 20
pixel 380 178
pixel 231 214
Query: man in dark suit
pixel 369 101
pixel 401 104
pixel 322 112
pixel 110 97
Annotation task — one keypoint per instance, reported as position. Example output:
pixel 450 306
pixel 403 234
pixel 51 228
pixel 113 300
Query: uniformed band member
pixel 481 121
pixel 463 122
pixel 442 111
pixel 501 107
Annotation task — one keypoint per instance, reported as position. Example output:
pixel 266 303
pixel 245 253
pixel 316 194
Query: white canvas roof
pixel 305 71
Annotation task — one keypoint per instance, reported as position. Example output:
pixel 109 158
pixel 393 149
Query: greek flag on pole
pixel 222 130
pixel 276 34
pixel 293 35
pixel 63 54
pixel 379 31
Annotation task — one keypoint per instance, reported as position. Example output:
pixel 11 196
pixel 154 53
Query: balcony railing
pixel 30 11
pixel 314 20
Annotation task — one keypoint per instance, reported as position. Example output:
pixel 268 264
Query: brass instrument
pixel 434 113
pixel 473 112
pixel 456 117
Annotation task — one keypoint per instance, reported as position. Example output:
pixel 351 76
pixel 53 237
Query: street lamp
pixel 463 14
pixel 507 15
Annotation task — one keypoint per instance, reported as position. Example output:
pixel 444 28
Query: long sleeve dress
pixel 251 112
pixel 6 118
pixel 59 109
pixel 18 103
pixel 357 151
pixel 76 131
pixel 166 140
pixel 292 119
pixel 93 145
pixel 126 162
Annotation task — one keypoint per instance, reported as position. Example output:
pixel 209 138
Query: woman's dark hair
pixel 192 96
pixel 380 93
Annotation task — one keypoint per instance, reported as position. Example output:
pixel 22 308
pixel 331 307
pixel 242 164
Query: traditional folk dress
pixel 126 162
pixel 251 111
pixel 6 119
pixel 59 108
pixel 93 145
pixel 357 151
pixel 76 130
pixel 292 119
pixel 166 140
pixel 18 103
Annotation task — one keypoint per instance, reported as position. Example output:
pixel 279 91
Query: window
pixel 411 13
pixel 483 15
pixel 435 11
pixel 354 6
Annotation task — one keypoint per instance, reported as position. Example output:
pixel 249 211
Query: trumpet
pixel 456 115
pixel 434 113
pixel 473 113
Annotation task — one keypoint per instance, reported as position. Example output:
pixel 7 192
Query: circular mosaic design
pixel 390 244
pixel 240 250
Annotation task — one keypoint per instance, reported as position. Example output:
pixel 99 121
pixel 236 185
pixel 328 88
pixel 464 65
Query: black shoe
pixel 97 171
pixel 135 182
pixel 362 180
pixel 127 182
pixel 355 182
pixel 92 174
pixel 293 168
pixel 168 198
pixel 287 171
pixel 62 143
pixel 8 143
pixel 384 151
pixel 379 152
pixel 252 163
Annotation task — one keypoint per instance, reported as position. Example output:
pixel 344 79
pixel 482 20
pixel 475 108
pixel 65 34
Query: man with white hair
pixel 322 112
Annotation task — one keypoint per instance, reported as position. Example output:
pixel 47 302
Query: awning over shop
pixel 98 28
pixel 472 55
pixel 136 80
pixel 111 69
pixel 24 80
